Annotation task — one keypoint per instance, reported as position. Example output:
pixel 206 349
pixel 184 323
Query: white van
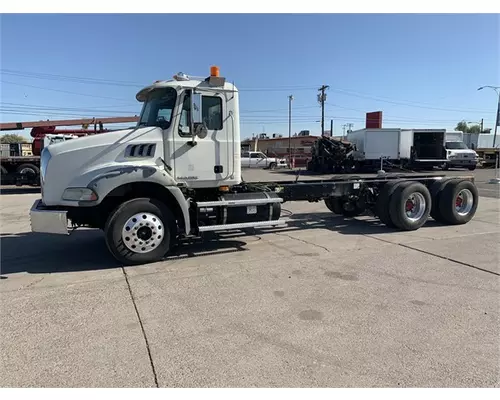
pixel 457 152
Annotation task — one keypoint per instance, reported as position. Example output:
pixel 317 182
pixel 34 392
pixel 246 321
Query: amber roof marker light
pixel 214 71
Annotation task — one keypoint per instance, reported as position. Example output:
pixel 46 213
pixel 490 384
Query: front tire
pixel 471 167
pixel 140 231
pixel 272 166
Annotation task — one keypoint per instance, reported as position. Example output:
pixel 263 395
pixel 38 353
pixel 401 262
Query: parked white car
pixel 257 159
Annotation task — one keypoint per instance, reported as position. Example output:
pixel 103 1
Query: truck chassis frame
pixel 403 201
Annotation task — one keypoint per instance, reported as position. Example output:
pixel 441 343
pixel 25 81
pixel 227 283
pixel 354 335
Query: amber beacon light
pixel 214 71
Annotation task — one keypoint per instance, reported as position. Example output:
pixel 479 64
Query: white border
pixel 251 394
pixel 255 6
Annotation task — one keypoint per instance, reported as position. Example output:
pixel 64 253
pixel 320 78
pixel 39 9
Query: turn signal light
pixel 224 188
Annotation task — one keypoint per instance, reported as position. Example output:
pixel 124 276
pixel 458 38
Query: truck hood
pixel 99 140
pixel 74 163
pixel 460 152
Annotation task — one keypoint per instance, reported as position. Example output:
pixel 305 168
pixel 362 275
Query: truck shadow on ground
pixel 19 190
pixel 86 250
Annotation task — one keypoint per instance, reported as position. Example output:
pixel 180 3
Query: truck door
pixel 204 161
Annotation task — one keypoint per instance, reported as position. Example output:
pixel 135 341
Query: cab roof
pixel 219 85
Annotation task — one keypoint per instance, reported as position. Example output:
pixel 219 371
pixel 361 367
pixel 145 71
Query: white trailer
pixel 177 174
pixel 409 148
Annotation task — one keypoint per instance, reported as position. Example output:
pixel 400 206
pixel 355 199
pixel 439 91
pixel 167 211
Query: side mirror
pixel 196 115
pixel 198 128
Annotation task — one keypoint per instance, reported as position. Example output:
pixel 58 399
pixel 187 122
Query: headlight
pixel 44 161
pixel 79 194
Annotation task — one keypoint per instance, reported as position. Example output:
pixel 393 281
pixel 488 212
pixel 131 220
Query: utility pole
pixel 349 127
pixel 321 100
pixel 343 131
pixel 290 99
pixel 482 127
pixel 497 119
pixel 331 128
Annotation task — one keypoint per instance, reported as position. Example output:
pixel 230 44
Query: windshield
pixel 158 108
pixel 456 146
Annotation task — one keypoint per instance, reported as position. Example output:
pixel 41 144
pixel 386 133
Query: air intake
pixel 140 150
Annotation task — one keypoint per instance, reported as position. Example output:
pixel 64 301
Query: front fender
pixel 105 181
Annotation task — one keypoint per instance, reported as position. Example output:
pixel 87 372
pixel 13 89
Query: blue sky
pixel 420 70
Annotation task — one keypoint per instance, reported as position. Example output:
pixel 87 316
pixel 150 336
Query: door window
pixel 212 112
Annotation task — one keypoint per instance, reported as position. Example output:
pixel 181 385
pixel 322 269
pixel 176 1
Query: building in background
pixel 277 146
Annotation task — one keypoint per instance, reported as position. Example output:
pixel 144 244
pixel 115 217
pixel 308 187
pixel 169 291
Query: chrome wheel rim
pixel 464 202
pixel 143 232
pixel 415 206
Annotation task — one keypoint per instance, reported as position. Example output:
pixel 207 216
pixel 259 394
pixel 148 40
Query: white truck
pixel 407 148
pixel 177 174
pixel 457 152
pixel 257 159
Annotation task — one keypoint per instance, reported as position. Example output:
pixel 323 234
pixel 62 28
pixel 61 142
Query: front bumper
pixel 45 220
pixel 461 162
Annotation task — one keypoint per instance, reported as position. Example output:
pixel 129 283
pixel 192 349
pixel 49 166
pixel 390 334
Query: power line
pixel 72 108
pixel 61 91
pixel 408 104
pixel 393 117
pixel 7 110
pixel 67 78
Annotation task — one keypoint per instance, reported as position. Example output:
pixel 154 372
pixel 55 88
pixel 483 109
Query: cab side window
pixel 212 112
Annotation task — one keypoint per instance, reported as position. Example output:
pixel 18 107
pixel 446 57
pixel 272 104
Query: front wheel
pixel 471 167
pixel 272 166
pixel 140 231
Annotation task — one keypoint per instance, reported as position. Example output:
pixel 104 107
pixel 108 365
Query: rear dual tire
pixel 408 205
pixel 454 201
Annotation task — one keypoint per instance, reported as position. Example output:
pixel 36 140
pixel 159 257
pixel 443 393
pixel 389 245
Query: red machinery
pixel 38 133
pixel 26 169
